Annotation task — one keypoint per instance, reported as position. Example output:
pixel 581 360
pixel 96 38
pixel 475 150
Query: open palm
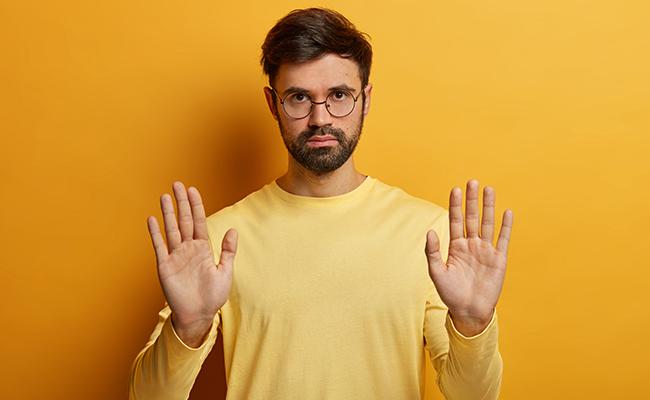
pixel 194 286
pixel 470 282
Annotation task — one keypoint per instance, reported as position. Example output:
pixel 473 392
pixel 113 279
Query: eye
pixel 297 98
pixel 339 95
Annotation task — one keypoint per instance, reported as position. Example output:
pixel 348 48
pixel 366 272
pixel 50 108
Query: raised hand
pixel 470 282
pixel 194 287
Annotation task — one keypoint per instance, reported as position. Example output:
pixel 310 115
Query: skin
pixel 317 77
pixel 469 283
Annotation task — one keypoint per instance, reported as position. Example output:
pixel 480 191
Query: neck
pixel 303 182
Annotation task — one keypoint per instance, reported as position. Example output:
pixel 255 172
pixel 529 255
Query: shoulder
pixel 243 211
pixel 398 198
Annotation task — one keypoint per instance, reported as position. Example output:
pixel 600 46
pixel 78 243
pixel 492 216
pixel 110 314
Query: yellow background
pixel 104 104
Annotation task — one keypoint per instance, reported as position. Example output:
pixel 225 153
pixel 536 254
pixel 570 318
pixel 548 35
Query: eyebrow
pixel 296 89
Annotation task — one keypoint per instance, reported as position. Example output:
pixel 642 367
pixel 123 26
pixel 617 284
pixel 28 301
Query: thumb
pixel 432 251
pixel 228 250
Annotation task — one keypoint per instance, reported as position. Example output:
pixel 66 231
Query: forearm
pixel 167 367
pixel 473 366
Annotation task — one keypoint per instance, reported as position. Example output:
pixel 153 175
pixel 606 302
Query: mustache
pixel 322 131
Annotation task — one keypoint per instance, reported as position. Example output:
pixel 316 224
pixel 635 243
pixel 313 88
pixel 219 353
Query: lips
pixel 323 138
pixel 322 141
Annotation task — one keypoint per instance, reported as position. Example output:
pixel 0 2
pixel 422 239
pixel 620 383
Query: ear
pixel 268 94
pixel 367 91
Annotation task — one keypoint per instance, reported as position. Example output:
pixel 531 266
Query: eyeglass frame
pixel 313 103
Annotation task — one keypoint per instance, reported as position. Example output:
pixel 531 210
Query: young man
pixel 342 283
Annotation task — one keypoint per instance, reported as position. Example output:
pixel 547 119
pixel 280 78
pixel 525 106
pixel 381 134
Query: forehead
pixel 320 74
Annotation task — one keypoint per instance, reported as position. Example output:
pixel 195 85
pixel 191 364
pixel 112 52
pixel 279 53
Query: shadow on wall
pixel 240 166
pixel 233 152
pixel 242 146
pixel 211 382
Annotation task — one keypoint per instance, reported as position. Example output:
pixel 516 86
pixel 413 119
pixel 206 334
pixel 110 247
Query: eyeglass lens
pixel 339 103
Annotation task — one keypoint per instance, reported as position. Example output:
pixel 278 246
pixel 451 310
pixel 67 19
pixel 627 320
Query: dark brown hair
pixel 304 35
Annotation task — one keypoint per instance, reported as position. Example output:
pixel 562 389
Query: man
pixel 343 283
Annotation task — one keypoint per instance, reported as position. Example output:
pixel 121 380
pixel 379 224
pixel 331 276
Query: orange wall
pixel 104 104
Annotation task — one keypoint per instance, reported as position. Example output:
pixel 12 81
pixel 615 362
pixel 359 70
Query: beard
pixel 322 160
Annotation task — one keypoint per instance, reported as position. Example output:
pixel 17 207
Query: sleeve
pixel 166 368
pixel 467 367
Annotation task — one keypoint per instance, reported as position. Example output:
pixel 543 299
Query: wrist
pixel 469 325
pixel 192 333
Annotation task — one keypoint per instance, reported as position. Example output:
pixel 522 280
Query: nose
pixel 319 115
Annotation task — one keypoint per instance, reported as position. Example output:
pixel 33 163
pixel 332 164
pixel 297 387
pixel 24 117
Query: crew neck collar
pixel 350 196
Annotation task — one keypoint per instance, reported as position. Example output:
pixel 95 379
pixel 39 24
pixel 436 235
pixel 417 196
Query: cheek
pixel 293 128
pixel 355 118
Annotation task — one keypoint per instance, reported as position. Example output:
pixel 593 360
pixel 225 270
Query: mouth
pixel 322 141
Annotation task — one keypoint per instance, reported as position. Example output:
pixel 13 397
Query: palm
pixel 194 287
pixel 191 282
pixel 471 280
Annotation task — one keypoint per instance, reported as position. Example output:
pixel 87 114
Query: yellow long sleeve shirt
pixel 331 299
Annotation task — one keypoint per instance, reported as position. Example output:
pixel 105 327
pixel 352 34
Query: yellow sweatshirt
pixel 331 299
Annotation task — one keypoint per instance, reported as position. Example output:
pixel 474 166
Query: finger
pixel 487 223
pixel 471 209
pixel 198 213
pixel 185 221
pixel 432 250
pixel 456 214
pixel 504 234
pixel 157 240
pixel 228 250
pixel 169 217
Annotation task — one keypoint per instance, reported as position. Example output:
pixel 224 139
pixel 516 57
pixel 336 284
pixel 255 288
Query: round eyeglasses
pixel 298 105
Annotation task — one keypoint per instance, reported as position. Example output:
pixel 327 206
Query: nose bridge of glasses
pixel 319 115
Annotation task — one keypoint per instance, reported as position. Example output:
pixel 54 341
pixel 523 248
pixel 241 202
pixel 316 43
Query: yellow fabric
pixel 331 299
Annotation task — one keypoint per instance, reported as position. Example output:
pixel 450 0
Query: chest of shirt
pixel 313 269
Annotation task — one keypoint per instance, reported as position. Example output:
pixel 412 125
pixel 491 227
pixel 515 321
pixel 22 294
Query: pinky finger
pixel 504 234
pixel 159 245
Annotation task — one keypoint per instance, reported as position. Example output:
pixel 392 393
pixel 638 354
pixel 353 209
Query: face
pixel 320 142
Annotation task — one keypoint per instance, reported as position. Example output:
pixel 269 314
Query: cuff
pixel 453 331
pixel 477 349
pixel 177 345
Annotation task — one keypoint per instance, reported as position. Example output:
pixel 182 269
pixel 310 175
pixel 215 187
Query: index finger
pixel 456 214
pixel 504 233
pixel 198 213
pixel 159 245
